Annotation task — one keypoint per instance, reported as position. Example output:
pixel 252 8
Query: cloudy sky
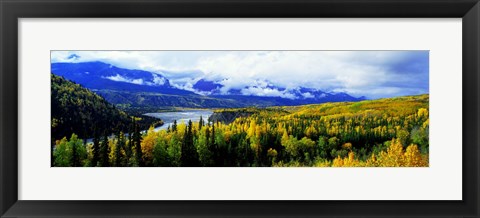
pixel 374 74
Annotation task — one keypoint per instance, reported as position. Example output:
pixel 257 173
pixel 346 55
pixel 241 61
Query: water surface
pixel 180 117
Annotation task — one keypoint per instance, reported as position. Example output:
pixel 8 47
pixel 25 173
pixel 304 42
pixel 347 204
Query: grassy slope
pixel 387 106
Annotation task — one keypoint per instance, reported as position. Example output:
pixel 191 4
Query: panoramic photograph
pixel 239 108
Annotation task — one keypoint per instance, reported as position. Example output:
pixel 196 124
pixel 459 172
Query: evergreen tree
pixel 118 149
pixel 96 150
pixel 212 144
pixel 128 150
pixel 105 151
pixel 137 143
pixel 129 145
pixel 174 126
pixel 189 157
pixel 214 148
pixel 200 123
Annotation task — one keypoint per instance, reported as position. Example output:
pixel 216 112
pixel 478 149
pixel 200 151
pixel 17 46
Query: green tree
pixel 200 123
pixel 174 150
pixel 79 152
pixel 160 153
pixel 201 144
pixel 119 146
pixel 174 126
pixel 189 156
pixel 137 138
pixel 62 154
pixel 70 153
pixel 105 151
pixel 96 150
pixel 404 136
pixel 322 147
pixel 333 144
pixel 419 136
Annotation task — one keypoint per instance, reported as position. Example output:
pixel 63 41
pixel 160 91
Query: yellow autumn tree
pixel 147 146
pixel 349 161
pixel 347 146
pixel 394 155
pixel 413 157
pixel 372 162
pixel 422 112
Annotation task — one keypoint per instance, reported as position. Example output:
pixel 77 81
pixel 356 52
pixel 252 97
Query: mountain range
pixel 139 88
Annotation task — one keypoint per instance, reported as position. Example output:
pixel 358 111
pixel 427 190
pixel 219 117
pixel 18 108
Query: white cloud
pixel 370 73
pixel 308 95
pixel 259 91
pixel 158 80
pixel 119 78
pixel 186 86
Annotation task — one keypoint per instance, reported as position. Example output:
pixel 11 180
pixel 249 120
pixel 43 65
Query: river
pixel 169 117
pixel 180 117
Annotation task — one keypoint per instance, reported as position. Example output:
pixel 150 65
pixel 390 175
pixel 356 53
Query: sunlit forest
pixel 390 132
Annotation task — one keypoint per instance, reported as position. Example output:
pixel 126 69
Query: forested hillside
pixel 159 100
pixel 375 133
pixel 78 110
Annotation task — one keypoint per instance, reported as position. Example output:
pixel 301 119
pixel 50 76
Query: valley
pixel 103 115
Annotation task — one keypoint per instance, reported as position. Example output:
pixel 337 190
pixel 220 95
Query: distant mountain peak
pixel 98 75
pixel 266 88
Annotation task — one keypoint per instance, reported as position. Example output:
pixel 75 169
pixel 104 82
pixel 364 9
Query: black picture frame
pixel 12 10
